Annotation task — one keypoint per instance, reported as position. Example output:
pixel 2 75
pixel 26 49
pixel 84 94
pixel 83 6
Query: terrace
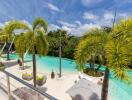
pixel 65 50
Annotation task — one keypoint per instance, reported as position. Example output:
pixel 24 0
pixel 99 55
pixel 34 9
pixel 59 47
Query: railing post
pixel 37 96
pixel 8 87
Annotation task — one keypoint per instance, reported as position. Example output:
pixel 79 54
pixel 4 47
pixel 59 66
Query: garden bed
pixel 92 72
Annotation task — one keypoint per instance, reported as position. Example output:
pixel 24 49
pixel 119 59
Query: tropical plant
pixel 20 46
pixel 9 31
pixel 118 50
pixel 90 46
pixel 54 37
pixel 116 47
pixel 2 66
pixel 68 43
pixel 27 76
pixel 41 80
pixel 35 38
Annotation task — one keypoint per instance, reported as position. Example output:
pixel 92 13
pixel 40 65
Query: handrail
pixel 4 88
pixel 30 86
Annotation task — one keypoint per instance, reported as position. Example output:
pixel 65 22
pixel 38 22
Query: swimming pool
pixel 118 90
pixel 49 63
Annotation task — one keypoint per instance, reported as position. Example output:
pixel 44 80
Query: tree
pixel 116 47
pixel 9 29
pixel 20 46
pixel 35 38
pixel 69 48
pixel 90 46
pixel 54 37
pixel 68 42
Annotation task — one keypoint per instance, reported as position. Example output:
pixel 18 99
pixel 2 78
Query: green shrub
pixel 40 80
pixel 27 76
pixel 2 67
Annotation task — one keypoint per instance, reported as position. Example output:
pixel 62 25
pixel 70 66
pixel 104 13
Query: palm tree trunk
pixel 104 92
pixel 23 62
pixel 60 74
pixel 98 67
pixel 7 47
pixel 34 69
pixel 8 57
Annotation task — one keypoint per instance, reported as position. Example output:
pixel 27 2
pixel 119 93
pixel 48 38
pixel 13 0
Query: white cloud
pixel 66 28
pixel 84 28
pixel 66 23
pixel 52 27
pixel 90 16
pixel 108 16
pixel 124 15
pixel 123 1
pixel 1 25
pixel 78 23
pixel 53 7
pixel 78 28
pixel 88 2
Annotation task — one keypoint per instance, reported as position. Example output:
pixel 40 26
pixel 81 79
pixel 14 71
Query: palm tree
pixel 116 48
pixel 35 38
pixel 57 45
pixel 91 45
pixel 9 29
pixel 37 43
pixel 20 46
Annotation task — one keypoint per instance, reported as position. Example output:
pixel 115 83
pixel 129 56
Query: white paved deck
pixel 3 95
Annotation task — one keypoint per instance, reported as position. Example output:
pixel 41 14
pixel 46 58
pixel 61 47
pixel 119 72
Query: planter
pixel 27 76
pixel 41 80
pixel 91 78
pixel 52 75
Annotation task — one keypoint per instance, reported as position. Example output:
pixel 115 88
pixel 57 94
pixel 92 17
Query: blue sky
pixel 74 16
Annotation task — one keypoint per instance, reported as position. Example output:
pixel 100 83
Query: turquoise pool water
pixel 48 63
pixel 118 90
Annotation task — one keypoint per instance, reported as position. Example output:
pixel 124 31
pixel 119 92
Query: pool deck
pixel 3 95
pixel 56 87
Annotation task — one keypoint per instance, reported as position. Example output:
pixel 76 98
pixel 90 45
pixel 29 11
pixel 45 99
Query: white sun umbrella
pixel 85 90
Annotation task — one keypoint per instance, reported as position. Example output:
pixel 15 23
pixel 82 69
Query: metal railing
pixel 28 85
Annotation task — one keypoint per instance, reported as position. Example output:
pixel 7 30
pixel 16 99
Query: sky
pixel 74 16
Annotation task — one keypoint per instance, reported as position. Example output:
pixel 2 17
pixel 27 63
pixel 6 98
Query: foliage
pixel 34 38
pixel 40 78
pixel 91 72
pixel 20 46
pixel 90 46
pixel 68 43
pixel 26 74
pixel 115 45
pixel 2 66
pixel 119 49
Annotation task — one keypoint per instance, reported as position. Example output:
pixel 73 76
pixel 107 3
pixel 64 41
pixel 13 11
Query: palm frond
pixel 40 23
